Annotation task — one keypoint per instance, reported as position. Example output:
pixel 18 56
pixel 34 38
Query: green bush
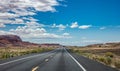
pixel 94 57
pixel 5 55
pixel 101 59
pixel 109 54
pixel 77 51
pixel 25 52
pixel 34 51
pixel 71 50
pixel 108 60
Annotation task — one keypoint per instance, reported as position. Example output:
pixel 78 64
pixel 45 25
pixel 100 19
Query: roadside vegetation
pixel 19 51
pixel 110 57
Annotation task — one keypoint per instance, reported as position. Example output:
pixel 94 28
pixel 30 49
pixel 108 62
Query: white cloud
pixel 66 34
pixel 16 9
pixel 84 26
pixel 102 28
pixel 8 15
pixel 54 25
pixel 29 19
pixel 74 25
pixel 61 27
pixel 33 32
pixel 29 31
pixel 5 32
pixel 2 25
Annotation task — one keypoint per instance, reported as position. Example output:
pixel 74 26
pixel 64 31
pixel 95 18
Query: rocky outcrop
pixel 14 40
pixel 10 40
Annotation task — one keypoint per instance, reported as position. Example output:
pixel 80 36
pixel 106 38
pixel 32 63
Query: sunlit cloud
pixel 2 25
pixel 60 26
pixel 85 26
pixel 12 11
pixel 74 25
pixel 102 28
pixel 34 31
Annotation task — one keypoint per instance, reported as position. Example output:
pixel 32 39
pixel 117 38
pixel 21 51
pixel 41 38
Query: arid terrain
pixel 108 54
pixel 12 45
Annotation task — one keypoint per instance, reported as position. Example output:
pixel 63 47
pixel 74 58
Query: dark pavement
pixel 57 60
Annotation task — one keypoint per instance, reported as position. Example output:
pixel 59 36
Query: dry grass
pixel 13 51
pixel 107 56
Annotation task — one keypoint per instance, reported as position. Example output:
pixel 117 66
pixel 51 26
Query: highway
pixel 57 60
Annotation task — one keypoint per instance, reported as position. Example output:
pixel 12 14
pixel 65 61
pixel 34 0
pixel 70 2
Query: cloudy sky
pixel 68 22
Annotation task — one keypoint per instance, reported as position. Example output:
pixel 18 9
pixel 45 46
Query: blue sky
pixel 68 22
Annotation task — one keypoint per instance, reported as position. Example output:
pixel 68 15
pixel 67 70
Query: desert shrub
pixel 25 52
pixel 89 55
pixel 109 54
pixel 12 55
pixel 101 59
pixel 33 51
pixel 77 51
pixel 5 55
pixel 105 60
pixel 108 60
pixel 94 57
pixel 71 50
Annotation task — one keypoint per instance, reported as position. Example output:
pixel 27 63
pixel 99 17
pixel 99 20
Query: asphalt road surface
pixel 57 60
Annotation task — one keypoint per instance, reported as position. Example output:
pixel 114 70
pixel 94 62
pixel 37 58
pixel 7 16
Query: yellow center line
pixel 35 68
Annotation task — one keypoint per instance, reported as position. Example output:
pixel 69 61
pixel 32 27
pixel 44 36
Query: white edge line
pixel 21 59
pixel 76 61
pixel 18 60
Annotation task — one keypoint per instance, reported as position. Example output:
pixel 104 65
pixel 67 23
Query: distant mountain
pixel 108 45
pixel 16 41
pixel 13 40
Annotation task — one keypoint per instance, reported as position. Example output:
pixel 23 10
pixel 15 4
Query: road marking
pixel 34 69
pixel 46 60
pixel 23 58
pixel 19 59
pixel 76 61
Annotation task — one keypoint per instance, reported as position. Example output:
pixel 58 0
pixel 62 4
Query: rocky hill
pixel 13 40
pixel 107 45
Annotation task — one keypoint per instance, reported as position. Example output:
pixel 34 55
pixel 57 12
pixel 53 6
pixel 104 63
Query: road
pixel 57 60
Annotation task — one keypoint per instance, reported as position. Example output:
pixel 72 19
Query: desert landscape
pixel 12 45
pixel 59 35
pixel 108 53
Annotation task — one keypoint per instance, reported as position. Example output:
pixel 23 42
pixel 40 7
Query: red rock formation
pixel 13 40
pixel 9 40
